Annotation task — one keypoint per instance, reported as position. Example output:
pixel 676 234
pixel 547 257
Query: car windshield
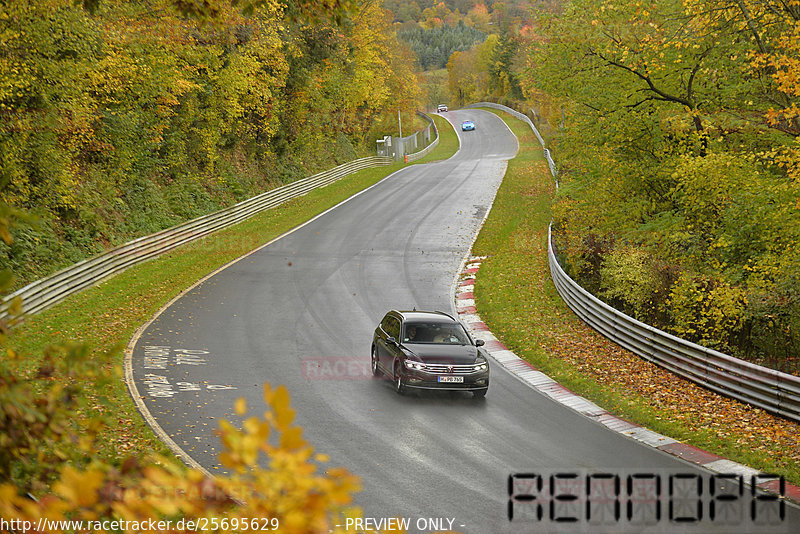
pixel 450 334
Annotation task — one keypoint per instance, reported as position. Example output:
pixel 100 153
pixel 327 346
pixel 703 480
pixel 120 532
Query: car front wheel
pixel 399 385
pixel 479 393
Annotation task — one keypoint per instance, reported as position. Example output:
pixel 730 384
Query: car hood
pixel 441 353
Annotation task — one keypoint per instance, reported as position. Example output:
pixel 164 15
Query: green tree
pixel 673 146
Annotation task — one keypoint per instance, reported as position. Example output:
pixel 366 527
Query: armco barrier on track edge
pixel 771 390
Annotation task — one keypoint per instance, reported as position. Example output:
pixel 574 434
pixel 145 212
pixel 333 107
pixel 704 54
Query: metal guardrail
pixel 428 149
pixel 399 147
pixel 766 388
pixel 771 390
pixel 52 289
pixel 524 118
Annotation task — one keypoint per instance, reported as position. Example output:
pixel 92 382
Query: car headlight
pixel 415 365
pixel 481 366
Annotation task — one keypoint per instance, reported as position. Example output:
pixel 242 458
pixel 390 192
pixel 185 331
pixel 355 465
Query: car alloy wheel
pixel 375 370
pixel 399 386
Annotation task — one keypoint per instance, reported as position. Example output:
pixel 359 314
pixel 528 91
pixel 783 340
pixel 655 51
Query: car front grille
pixel 445 369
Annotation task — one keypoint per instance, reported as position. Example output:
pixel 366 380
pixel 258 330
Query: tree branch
pixel 694 72
pixel 663 94
pixel 751 25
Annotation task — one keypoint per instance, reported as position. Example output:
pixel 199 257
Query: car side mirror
pixel 479 342
pixel 391 341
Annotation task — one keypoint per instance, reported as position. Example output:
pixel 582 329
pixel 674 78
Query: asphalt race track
pixel 301 312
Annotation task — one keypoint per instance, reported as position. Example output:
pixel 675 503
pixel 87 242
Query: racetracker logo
pixel 336 368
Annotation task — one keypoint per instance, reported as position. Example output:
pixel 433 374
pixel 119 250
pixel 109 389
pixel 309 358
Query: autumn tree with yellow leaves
pixel 120 119
pixel 679 163
pixel 275 483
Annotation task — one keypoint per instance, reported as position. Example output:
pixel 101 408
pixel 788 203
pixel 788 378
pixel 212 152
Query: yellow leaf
pixel 79 488
pixel 241 406
pixel 280 403
pixel 292 438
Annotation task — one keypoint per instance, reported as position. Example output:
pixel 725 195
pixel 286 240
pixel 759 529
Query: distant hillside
pixel 435 46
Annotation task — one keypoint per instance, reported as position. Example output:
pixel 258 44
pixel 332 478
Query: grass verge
pixel 515 296
pixel 105 317
pixel 448 141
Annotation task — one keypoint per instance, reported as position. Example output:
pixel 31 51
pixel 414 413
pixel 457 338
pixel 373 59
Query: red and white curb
pixel 465 306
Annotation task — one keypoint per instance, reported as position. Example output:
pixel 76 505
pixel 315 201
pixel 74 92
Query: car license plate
pixel 452 379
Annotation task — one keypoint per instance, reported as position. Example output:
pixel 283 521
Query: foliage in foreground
pixel 289 493
pixel 680 167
